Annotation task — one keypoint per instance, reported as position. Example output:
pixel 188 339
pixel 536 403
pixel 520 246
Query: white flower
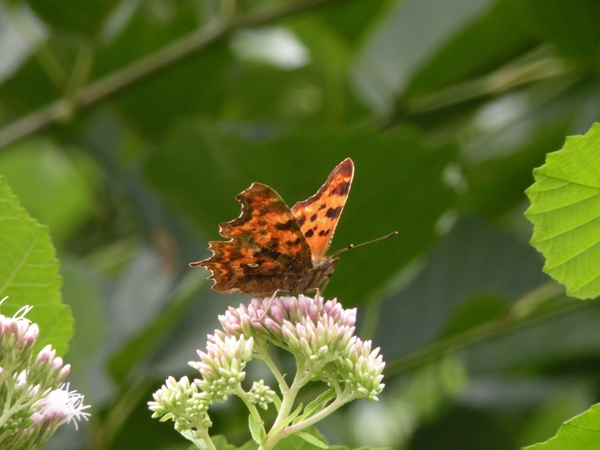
pixel 62 406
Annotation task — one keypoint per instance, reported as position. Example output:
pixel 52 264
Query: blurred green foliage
pixel 129 126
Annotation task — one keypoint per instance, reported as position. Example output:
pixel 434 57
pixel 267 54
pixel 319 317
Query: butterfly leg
pixel 269 305
pixel 323 286
pixel 317 293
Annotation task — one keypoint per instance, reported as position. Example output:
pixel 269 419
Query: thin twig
pixel 523 312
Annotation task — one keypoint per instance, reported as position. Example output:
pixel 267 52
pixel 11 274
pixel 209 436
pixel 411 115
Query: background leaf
pixel 203 160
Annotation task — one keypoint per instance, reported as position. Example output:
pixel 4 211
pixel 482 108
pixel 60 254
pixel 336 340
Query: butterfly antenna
pixel 351 246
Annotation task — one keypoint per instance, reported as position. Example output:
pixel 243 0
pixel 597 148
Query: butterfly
pixel 275 249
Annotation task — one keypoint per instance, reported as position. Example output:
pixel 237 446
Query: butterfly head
pixel 324 270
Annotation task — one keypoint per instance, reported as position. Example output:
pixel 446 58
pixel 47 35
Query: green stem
pixel 337 403
pixel 208 441
pixel 162 59
pixel 288 398
pixel 264 356
pixel 524 311
pixel 6 407
pixel 534 67
pixel 43 53
pixel 252 408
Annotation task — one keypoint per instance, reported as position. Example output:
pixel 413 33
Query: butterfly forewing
pixel 318 215
pixel 267 221
pixel 267 250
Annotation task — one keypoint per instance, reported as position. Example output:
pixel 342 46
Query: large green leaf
pixel 494 36
pixel 572 27
pixel 29 273
pixel 473 260
pixel 195 85
pixel 398 185
pixel 412 32
pixel 582 432
pixel 73 15
pixel 565 211
pixel 51 184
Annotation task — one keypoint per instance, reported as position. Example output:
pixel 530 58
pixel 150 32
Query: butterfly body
pixel 273 248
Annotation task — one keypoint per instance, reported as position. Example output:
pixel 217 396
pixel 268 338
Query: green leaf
pixel 311 439
pixel 582 432
pixel 474 311
pixel 317 404
pixel 493 36
pixel 220 442
pixel 73 15
pixel 55 186
pixel 565 210
pixel 572 27
pixel 257 429
pixel 29 273
pixel 296 442
pixel 201 169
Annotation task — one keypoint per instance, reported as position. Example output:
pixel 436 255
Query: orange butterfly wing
pixel 318 215
pixel 273 248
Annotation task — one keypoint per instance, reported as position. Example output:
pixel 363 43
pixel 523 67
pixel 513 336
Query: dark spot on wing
pixel 333 213
pixel 313 217
pixel 301 220
pixel 267 253
pixel 285 226
pixel 309 233
pixel 322 206
pixel 341 189
pixel 324 232
pixel 293 243
pixel 272 243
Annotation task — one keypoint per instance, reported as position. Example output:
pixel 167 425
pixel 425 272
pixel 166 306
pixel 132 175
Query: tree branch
pixel 533 307
pixel 164 58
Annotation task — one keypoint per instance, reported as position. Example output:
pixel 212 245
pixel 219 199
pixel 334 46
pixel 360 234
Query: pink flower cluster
pixel 34 401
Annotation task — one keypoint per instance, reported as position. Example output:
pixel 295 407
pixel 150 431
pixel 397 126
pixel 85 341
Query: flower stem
pixel 263 355
pixel 252 408
pixel 289 395
pixel 337 403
